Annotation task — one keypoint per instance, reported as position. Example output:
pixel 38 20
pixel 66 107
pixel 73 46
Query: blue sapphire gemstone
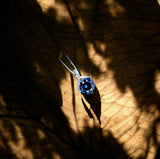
pixel 87 86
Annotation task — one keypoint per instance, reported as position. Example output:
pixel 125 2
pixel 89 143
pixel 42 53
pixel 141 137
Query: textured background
pixel 42 115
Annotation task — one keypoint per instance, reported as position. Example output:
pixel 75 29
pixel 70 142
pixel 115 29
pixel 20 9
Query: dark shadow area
pixel 132 40
pixel 32 125
pixel 87 109
pixel 131 32
pixel 158 153
pixel 30 73
pixel 95 103
pixel 93 98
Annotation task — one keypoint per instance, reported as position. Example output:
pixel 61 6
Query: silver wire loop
pixel 75 71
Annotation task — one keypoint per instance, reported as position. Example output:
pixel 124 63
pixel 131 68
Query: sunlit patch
pixel 26 153
pixel 122 116
pixel 2 101
pixel 2 145
pixel 101 46
pixel 18 144
pixel 128 99
pixel 81 24
pixel 56 156
pixel 83 5
pixel 157 126
pixel 41 134
pixel 74 110
pixel 115 9
pixel 62 12
pixel 96 58
pixel 18 147
pixel 59 8
pixel 157 82
pixel 46 4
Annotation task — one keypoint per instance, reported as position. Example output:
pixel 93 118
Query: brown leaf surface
pixel 43 116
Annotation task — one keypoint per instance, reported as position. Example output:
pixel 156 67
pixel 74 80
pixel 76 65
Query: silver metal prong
pixel 75 71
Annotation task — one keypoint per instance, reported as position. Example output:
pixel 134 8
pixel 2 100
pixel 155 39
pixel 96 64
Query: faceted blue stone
pixel 87 86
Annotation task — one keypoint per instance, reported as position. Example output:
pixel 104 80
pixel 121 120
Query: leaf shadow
pixel 132 47
pixel 95 103
pixel 32 121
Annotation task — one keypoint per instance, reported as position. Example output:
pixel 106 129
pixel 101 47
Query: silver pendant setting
pixel 84 83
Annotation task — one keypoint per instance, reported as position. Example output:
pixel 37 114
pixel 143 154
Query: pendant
pixel 84 83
